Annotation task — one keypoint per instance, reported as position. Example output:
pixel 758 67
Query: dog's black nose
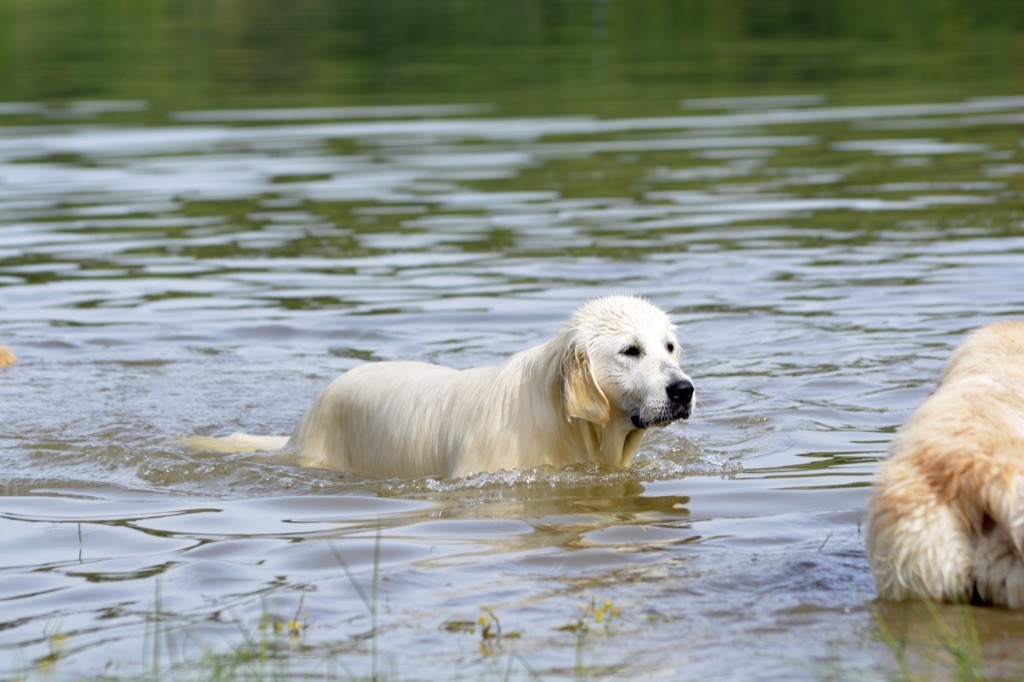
pixel 680 392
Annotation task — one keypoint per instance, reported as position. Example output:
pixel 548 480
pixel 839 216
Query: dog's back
pixel 410 419
pixel 947 518
pixel 369 421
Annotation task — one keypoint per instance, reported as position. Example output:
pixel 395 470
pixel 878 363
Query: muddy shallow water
pixel 211 271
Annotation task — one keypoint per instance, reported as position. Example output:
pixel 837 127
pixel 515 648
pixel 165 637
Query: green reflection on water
pixel 599 56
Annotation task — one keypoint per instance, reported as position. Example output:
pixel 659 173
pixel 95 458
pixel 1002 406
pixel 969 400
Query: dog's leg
pixel 996 490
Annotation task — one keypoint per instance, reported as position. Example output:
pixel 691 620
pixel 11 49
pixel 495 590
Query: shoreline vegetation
pixel 609 58
pixel 263 650
pixel 925 639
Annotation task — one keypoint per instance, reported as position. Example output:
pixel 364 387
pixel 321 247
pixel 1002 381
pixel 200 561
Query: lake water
pixel 197 242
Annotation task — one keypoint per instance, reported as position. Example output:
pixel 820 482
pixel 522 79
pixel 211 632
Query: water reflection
pixel 213 274
pixel 209 211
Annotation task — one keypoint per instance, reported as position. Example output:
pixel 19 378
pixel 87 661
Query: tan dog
pixel 7 357
pixel 585 396
pixel 947 517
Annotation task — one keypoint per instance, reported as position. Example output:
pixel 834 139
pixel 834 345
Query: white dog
pixel 947 516
pixel 585 396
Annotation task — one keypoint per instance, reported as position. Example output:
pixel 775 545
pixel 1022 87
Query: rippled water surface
pixel 201 271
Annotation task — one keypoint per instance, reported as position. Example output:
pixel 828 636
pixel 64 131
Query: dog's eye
pixel 631 351
pixel 671 347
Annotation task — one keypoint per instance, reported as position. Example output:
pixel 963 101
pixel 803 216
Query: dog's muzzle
pixel 679 402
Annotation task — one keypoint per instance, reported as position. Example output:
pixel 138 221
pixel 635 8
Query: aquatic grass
pixel 492 633
pixel 56 642
pixel 256 652
pixel 955 647
pixel 151 637
pixel 598 614
pixel 897 644
pixel 493 636
pixel 249 659
pixel 371 601
pixel 259 652
pixel 963 643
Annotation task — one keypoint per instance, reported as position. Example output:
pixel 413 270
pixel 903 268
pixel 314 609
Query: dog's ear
pixel 581 396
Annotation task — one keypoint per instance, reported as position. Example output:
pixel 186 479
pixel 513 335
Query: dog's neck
pixel 612 445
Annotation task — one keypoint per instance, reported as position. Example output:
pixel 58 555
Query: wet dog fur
pixel 587 395
pixel 947 516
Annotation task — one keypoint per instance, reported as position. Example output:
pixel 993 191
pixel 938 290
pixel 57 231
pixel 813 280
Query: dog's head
pixel 621 362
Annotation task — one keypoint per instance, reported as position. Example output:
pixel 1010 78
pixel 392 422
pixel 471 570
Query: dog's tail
pixel 236 442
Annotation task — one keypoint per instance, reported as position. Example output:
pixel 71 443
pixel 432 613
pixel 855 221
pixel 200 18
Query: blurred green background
pixel 610 57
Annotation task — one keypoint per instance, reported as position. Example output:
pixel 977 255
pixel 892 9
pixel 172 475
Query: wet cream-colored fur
pixel 585 396
pixel 947 516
